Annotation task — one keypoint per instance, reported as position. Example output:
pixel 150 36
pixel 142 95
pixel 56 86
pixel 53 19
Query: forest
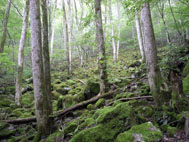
pixel 94 71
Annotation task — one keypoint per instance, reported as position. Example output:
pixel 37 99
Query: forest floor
pixel 126 113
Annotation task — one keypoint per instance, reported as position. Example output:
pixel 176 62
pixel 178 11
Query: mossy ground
pixel 99 122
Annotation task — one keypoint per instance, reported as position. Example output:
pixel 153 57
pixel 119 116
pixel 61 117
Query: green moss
pixel 130 95
pixel 5 133
pixel 90 107
pixel 55 94
pixel 87 123
pixel 25 115
pixel 186 70
pixel 148 132
pixel 70 128
pixel 171 131
pixel 3 125
pixel 110 121
pixel 100 133
pixel 5 102
pixel 27 100
pixel 186 85
pixel 53 136
pixel 100 103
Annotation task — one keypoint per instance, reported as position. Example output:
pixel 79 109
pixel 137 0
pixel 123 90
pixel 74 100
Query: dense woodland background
pixel 103 70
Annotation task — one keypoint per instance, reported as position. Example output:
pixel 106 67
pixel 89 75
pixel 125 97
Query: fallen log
pixel 129 99
pixel 63 112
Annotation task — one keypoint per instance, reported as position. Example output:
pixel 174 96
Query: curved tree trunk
pixel 46 58
pixel 21 55
pixel 4 35
pixel 41 104
pixel 101 47
pixel 154 77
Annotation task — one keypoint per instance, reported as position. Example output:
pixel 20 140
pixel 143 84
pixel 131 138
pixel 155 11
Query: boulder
pixel 145 132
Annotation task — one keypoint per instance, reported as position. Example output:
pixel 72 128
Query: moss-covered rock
pixel 146 131
pixel 92 89
pixel 110 121
pixel 61 88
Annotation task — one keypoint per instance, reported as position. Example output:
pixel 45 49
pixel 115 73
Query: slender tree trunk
pixel 46 58
pixel 70 36
pixel 4 35
pixel 154 77
pixel 105 20
pixel 21 55
pixel 101 47
pixel 161 12
pixel 187 34
pixel 112 29
pixel 66 39
pixel 140 37
pixel 41 104
pixel 49 15
pixel 53 27
pixel 119 26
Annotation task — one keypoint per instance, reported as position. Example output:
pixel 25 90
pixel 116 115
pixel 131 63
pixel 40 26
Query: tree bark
pixel 53 27
pixel 101 47
pixel 112 30
pixel 161 12
pixel 4 35
pixel 21 55
pixel 119 26
pixel 140 37
pixel 65 30
pixel 40 94
pixel 46 58
pixel 69 36
pixel 154 77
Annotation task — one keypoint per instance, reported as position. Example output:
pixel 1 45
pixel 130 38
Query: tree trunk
pixel 101 47
pixel 112 29
pixel 161 12
pixel 53 27
pixel 4 35
pixel 21 56
pixel 66 39
pixel 49 15
pixel 69 36
pixel 41 104
pixel 105 20
pixel 140 37
pixel 154 77
pixel 46 58
pixel 119 26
